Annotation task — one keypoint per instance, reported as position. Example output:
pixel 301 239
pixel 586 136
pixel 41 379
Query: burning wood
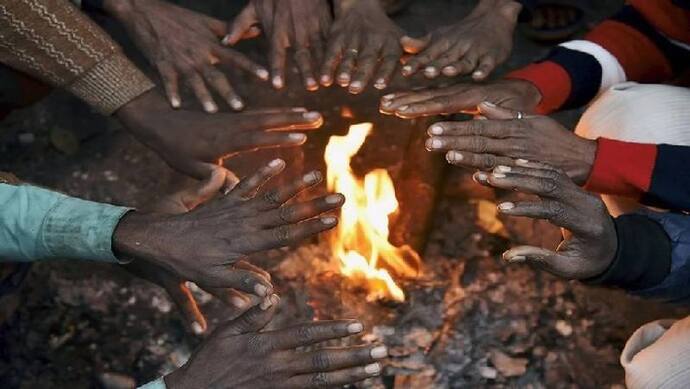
pixel 360 242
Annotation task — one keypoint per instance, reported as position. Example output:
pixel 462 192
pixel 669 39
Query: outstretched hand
pixel 205 244
pixel 240 355
pixel 589 236
pixel 476 44
pixel 184 45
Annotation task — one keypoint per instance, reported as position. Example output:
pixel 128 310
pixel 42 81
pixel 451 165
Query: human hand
pixel 484 144
pixel 476 44
pixel 183 44
pixel 177 288
pixel 363 37
pixel 193 142
pixel 298 24
pixel 205 244
pixel 239 355
pixel 514 94
pixel 589 236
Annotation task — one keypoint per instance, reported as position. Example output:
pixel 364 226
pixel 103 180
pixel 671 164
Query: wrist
pixel 131 238
pixel 587 153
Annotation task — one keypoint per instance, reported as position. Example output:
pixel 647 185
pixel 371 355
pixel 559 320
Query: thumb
pixel 242 27
pixel 183 298
pixel 414 45
pixel 493 111
pixel 253 320
pixel 204 190
pixel 541 258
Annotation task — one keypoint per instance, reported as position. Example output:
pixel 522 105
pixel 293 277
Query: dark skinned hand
pixel 183 44
pixel 177 288
pixel 476 44
pixel 193 142
pixel 484 144
pixel 363 39
pixel 462 98
pixel 589 236
pixel 298 24
pixel 205 244
pixel 240 355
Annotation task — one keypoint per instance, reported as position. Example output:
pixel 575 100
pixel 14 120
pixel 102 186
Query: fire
pixel 360 241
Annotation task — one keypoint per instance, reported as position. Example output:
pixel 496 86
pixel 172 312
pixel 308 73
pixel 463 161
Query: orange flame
pixel 360 241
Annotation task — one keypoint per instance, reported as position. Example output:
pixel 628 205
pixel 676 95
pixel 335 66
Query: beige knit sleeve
pixel 54 42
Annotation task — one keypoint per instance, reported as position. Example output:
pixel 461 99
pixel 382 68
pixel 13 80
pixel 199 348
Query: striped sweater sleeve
pixel 647 41
pixel 656 175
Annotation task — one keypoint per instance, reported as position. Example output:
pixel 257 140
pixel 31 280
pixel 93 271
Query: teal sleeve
pixel 157 384
pixel 38 224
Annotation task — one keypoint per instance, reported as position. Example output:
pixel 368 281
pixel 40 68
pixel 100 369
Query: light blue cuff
pixel 37 224
pixel 157 384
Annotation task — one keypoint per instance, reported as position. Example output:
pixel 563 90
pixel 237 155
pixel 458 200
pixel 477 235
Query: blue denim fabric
pixel 38 224
pixel 157 384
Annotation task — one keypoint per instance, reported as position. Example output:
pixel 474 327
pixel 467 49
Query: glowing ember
pixel 361 240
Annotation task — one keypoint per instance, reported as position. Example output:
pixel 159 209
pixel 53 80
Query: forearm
pixel 54 42
pixel 38 224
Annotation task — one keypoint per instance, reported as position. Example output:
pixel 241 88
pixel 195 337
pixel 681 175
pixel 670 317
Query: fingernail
pixel 175 102
pixel 238 302
pixel 436 130
pixel 210 107
pixel 262 74
pixel 386 103
pixel 521 161
pixel 344 77
pixel 260 290
pixel 436 143
pixel 499 175
pixel 379 352
pixel 311 178
pixel 297 138
pixel 275 299
pixel 481 176
pixel 380 84
pixel 517 258
pixel 450 70
pixel 430 71
pixel 453 156
pixel 328 220
pixel 355 328
pixel 403 108
pixel 236 104
pixel 277 82
pixel 389 96
pixel 356 86
pixel 502 169
pixel 334 199
pixel 299 109
pixel 506 206
pixel 407 69
pixel 326 79
pixel 312 116
pixel 372 369
pixel 311 84
pixel 265 304
pixel 197 328
pixel 226 40
pixel 489 104
pixel 276 162
pixel 478 74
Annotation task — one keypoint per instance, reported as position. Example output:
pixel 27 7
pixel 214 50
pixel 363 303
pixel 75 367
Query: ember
pixel 360 242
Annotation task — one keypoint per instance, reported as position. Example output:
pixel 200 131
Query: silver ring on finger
pixel 520 115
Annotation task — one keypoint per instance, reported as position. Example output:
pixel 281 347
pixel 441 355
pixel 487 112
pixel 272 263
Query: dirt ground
pixel 84 325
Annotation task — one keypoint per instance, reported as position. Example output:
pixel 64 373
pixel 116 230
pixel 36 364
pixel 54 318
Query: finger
pixel 248 187
pixel 276 197
pixel 486 65
pixel 185 302
pixel 334 51
pixel 241 26
pixel 290 234
pixel 542 259
pixel 205 190
pixel 531 209
pixel 313 332
pixel 481 178
pixel 493 111
pixel 221 85
pixel 477 161
pixel 486 128
pixel 317 49
pixel 366 63
pixel 447 62
pixel 472 144
pixel 335 378
pixel 435 106
pixel 467 64
pixel 421 60
pixel 293 120
pixel 169 79
pixel 236 301
pixel 242 264
pixel 389 61
pixel 541 186
pixel 412 45
pixel 268 140
pixel 296 213
pixel 241 61
pixel 277 61
pixel 330 359
pixel 196 83
pixel 348 61
pixel 303 60
pixel 245 281
pixel 254 320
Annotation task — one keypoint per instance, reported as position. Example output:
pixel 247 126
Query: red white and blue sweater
pixel 648 41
